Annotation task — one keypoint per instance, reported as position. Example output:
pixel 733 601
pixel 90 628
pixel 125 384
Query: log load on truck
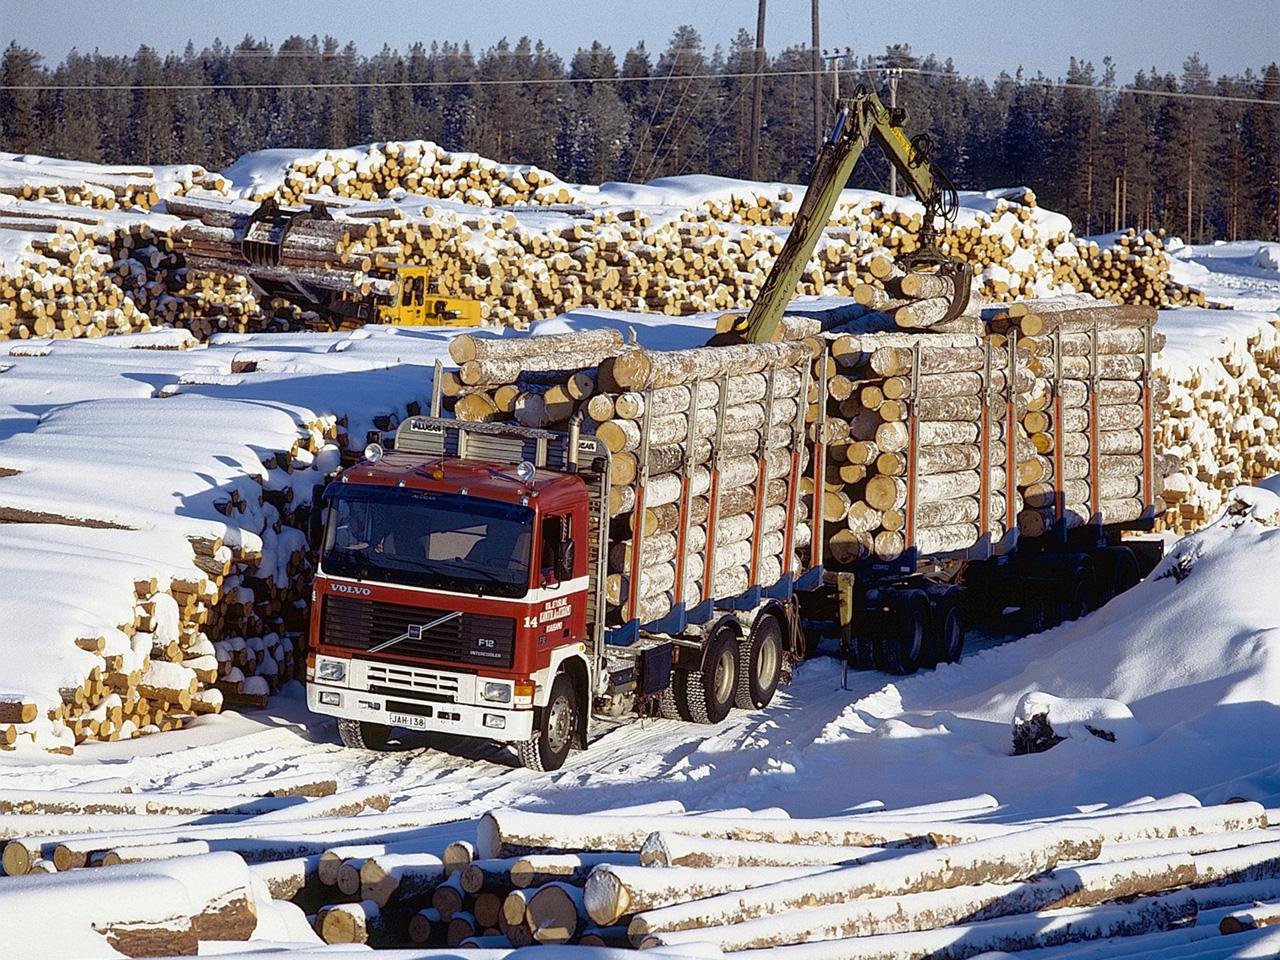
pixel 660 532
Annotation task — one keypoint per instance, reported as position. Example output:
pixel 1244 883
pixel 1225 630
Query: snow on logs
pixel 887 885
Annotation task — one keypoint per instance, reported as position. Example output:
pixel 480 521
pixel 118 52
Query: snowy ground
pixel 1195 659
pixel 1199 669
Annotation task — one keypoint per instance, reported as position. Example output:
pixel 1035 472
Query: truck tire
pixel 363 735
pixel 1117 571
pixel 899 647
pixel 945 639
pixel 557 727
pixel 706 695
pixel 1072 596
pixel 759 664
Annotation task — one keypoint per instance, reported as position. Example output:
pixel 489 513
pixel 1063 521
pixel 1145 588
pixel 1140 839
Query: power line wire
pixel 546 81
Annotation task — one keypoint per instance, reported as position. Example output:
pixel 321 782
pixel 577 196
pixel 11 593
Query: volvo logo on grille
pixel 416 631
pixel 348 588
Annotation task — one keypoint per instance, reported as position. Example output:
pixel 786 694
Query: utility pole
pixel 817 81
pixel 757 93
pixel 894 74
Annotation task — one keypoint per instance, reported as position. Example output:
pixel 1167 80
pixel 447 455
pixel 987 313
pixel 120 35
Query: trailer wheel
pixel 898 648
pixel 945 641
pixel 557 727
pixel 363 735
pixel 706 695
pixel 759 664
pixel 1118 572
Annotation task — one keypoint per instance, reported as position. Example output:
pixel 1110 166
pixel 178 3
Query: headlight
pixel 495 721
pixel 496 692
pixel 331 698
pixel 334 670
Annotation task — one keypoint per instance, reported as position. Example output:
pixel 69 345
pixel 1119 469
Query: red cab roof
pixel 478 478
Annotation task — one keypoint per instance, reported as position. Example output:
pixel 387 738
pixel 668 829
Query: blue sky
pixel 983 36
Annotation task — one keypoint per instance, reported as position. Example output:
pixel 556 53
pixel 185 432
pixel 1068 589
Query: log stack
pixel 933 443
pixel 672 421
pixel 227 634
pixel 1219 423
pixel 217 618
pixel 1089 418
pixel 898 884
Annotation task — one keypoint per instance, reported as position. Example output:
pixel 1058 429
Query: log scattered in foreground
pixel 1086 885
pixel 1258 916
pixel 1051 928
pixel 680 850
pixel 1006 859
pixel 616 892
pixel 515 832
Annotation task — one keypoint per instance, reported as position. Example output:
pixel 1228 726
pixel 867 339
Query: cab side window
pixel 554 530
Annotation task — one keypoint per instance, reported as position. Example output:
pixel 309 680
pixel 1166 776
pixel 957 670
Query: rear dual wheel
pixel 907 631
pixel 759 664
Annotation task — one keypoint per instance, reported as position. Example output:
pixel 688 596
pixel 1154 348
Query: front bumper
pixel 462 719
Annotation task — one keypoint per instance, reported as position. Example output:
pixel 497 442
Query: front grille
pixel 473 638
pixel 404 680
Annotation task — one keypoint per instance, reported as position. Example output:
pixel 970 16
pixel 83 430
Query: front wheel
pixel 558 721
pixel 363 735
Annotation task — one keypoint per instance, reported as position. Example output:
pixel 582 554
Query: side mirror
pixel 315 524
pixel 564 560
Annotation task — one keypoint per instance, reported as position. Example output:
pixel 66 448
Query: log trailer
pixel 462 582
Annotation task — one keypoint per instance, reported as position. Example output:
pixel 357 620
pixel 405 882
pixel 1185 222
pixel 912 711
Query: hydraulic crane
pixel 862 118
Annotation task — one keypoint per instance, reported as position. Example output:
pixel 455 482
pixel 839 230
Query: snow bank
pixel 112 457
pixel 1268 257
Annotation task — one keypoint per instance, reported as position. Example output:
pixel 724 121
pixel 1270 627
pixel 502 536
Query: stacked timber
pixel 415 166
pixel 1089 419
pixel 1134 269
pixel 672 422
pixel 312 251
pixel 1219 423
pixel 225 630
pixel 228 633
pixel 913 457
pixel 708 447
pixel 686 256
pixel 86 273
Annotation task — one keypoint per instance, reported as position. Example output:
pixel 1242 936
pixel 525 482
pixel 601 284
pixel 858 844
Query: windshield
pixel 421 539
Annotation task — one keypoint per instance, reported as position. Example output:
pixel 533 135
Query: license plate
pixel 409 720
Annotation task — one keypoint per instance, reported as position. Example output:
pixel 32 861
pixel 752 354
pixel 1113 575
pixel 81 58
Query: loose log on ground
pixel 1012 857
pixel 1050 928
pixel 679 850
pixel 556 912
pixel 616 892
pixel 1086 885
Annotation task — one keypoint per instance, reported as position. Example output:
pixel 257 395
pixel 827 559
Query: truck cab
pixel 452 597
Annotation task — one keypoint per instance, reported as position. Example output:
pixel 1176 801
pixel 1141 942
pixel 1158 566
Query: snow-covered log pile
pixel 99 186
pixel 951 879
pixel 507 236
pixel 1221 417
pixel 153 559
pixel 68 271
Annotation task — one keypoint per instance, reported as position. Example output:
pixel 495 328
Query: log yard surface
pixel 155 490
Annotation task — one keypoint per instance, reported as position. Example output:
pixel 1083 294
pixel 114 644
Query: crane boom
pixel 862 118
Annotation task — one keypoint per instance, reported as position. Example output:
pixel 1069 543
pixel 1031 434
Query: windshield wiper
pixel 472 566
